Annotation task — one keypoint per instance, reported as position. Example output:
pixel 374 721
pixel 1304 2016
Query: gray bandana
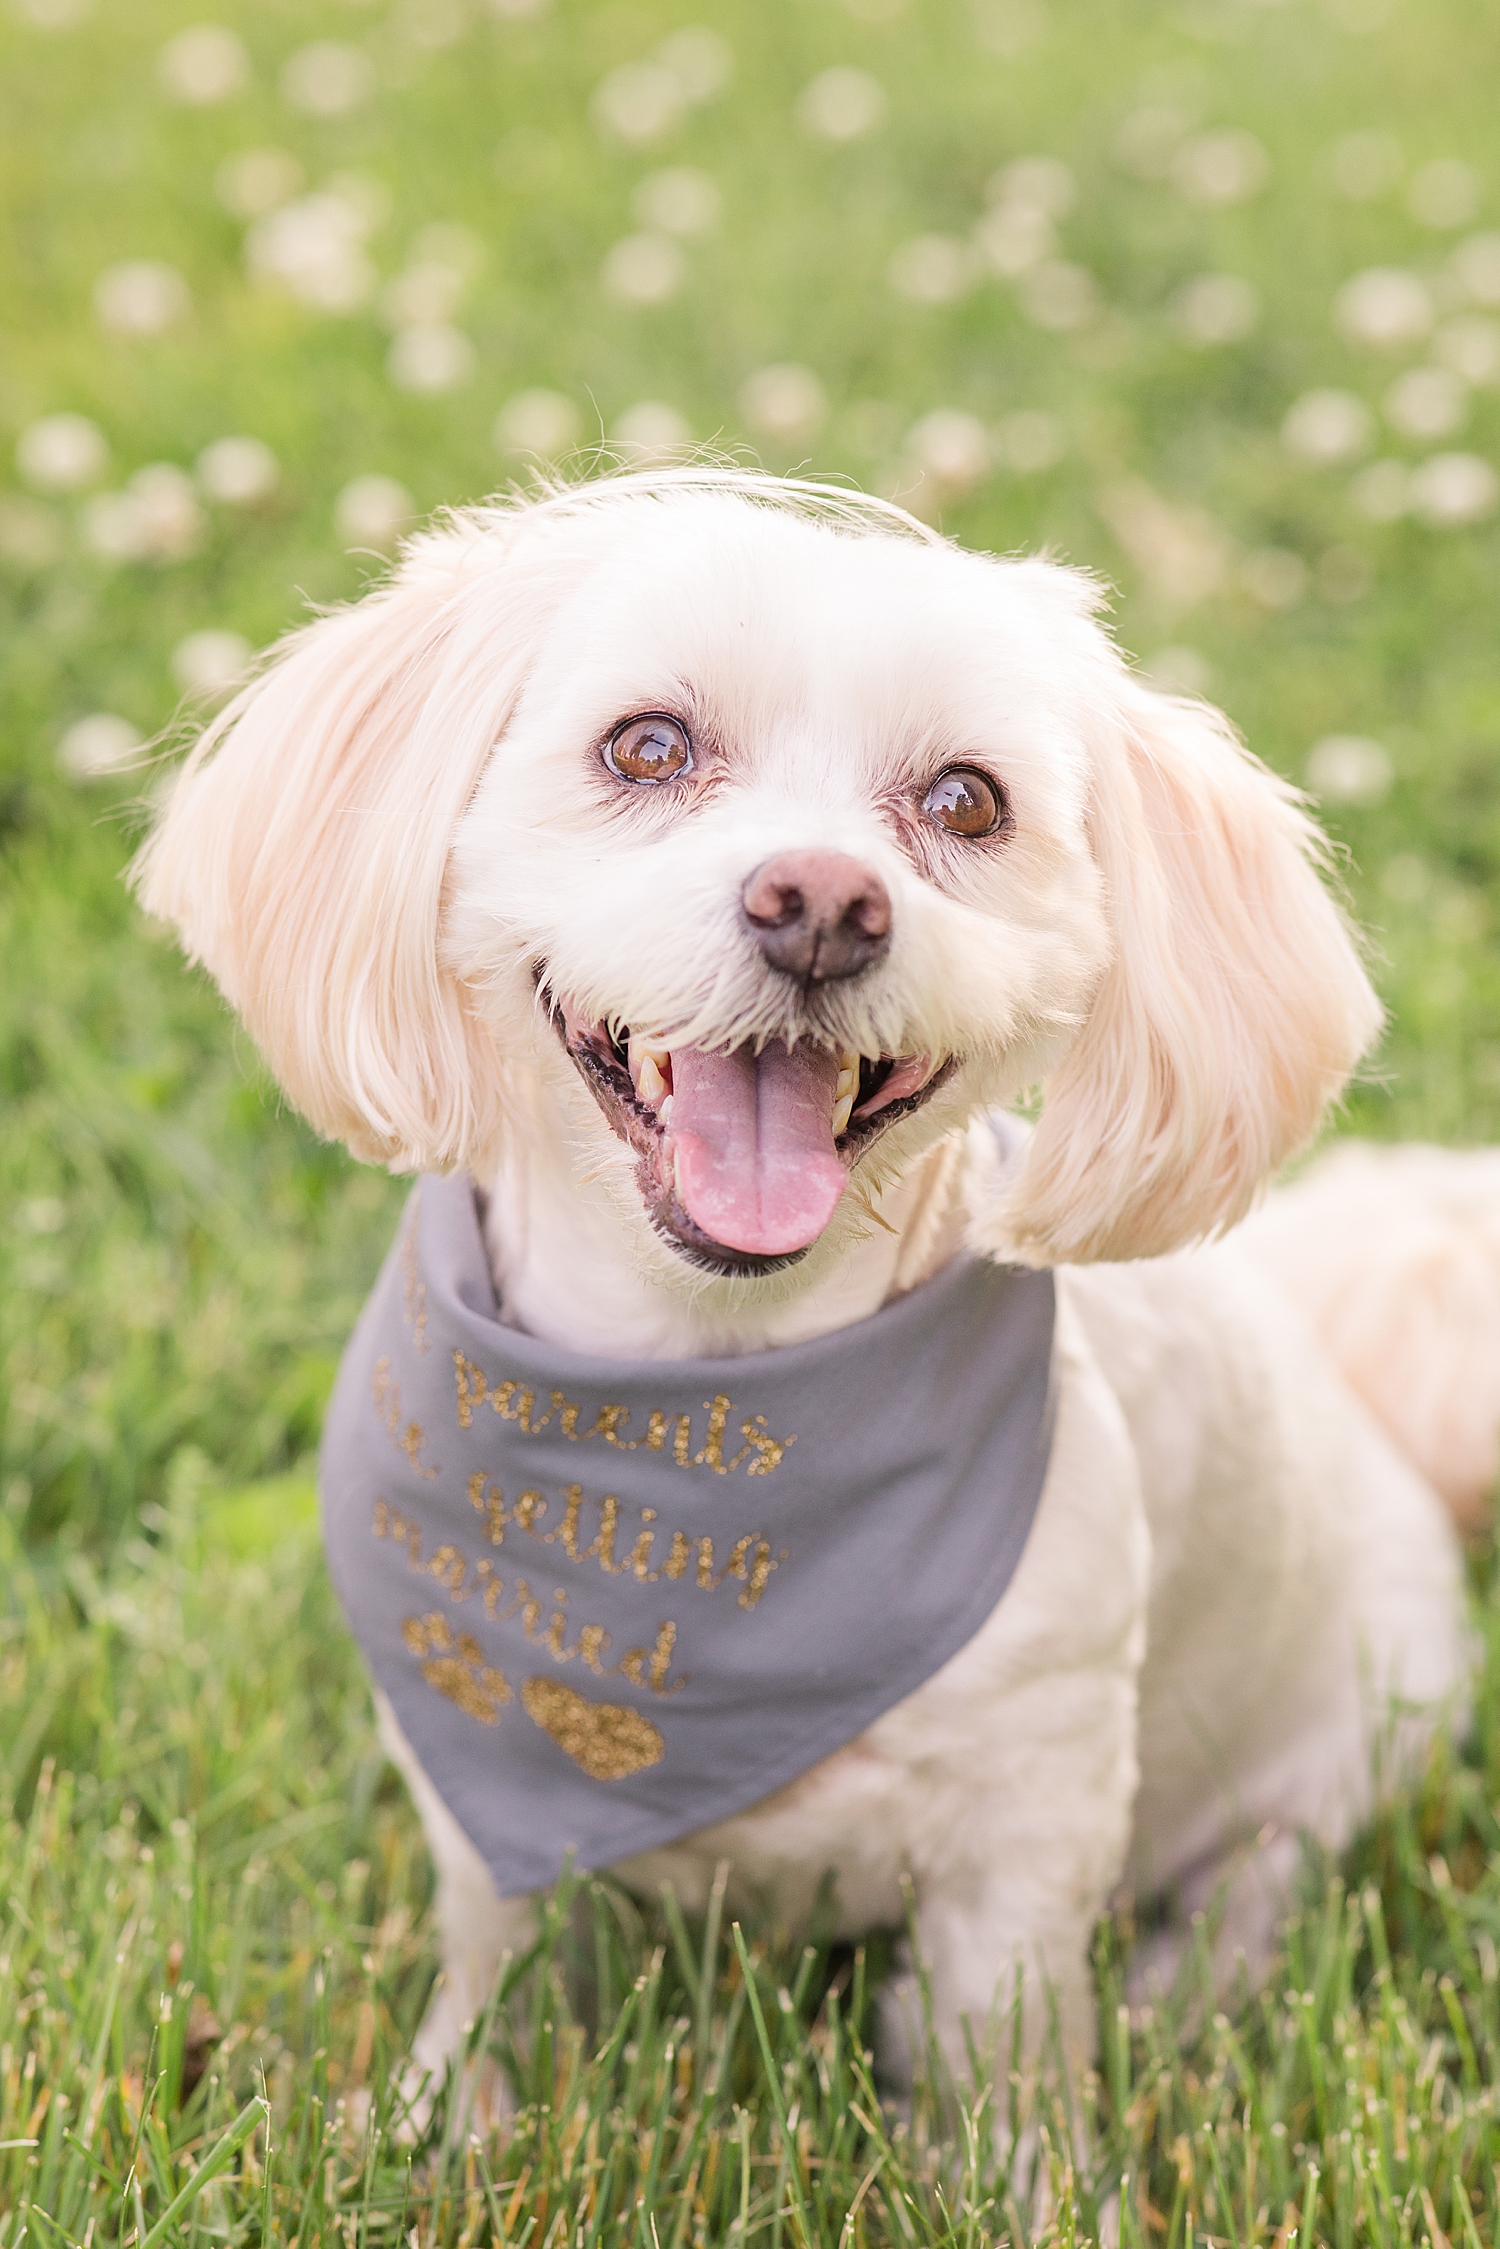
pixel 614 1601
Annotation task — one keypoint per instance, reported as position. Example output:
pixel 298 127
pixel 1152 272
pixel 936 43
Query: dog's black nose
pixel 818 915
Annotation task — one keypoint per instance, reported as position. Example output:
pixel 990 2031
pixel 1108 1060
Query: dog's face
pixel 788 830
pixel 796 840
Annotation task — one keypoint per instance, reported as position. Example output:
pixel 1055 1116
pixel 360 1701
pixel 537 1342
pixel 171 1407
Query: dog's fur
pixel 400 844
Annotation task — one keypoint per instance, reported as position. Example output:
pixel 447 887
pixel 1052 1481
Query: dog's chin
pixel 836 1108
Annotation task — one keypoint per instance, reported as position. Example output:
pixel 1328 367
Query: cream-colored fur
pixel 1233 1569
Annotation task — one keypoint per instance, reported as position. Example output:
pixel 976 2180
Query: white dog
pixel 699 787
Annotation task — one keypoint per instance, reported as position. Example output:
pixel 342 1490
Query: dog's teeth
pixel 650 1085
pixel 665 1110
pixel 841 1112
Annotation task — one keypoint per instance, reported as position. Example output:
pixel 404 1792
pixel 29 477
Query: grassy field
pixel 271 288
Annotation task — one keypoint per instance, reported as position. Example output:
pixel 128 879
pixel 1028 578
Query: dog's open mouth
pixel 742 1157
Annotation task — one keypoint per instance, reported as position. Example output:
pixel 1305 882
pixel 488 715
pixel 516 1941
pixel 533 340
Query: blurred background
pixel 1204 296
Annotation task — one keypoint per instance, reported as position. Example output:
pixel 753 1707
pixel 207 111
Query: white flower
pixel 1327 425
pixel 932 269
pixel 1227 166
pixel 638 103
pixel 1029 441
pixel 1476 268
pixel 1444 193
pixel 542 422
pixel 372 511
pixel 1453 489
pixel 701 62
pixel 1349 769
pixel 1274 576
pixel 140 297
pixel 327 78
pixel 238 471
pixel 842 104
pixel 951 447
pixel 679 200
pixel 156 518
pixel 1009 27
pixel 61 452
pixel 1365 166
pixel 315 248
pixel 96 746
pixel 53 15
pixel 1179 670
pixel 1217 308
pixel 424 293
pixel 1149 138
pixel 650 434
pixel 1059 296
pixel 785 403
pixel 430 358
pixel 644 269
pixel 203 65
pixel 1014 237
pixel 1427 403
pixel 1382 491
pixel 256 181
pixel 1035 183
pixel 1385 306
pixel 207 662
pixel 1470 345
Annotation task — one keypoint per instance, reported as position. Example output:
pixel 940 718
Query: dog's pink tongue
pixel 752 1141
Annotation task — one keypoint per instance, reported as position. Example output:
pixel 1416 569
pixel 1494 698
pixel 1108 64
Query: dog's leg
pixel 476 1930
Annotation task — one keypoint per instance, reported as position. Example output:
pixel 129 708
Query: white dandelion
pixel 1326 426
pixel 952 447
pixel 1444 193
pixel 1476 268
pixel 1453 489
pixel 203 65
pixel 258 180
pixel 96 746
pixel 1349 769
pixel 701 62
pixel 62 453
pixel 327 78
pixel 140 297
pixel 315 249
pixel 785 403
pixel 1427 403
pixel 1384 306
pixel 1059 295
pixel 650 434
pixel 1227 166
pixel 206 663
pixel 644 269
pixel 842 104
pixel 1470 345
pixel 1014 237
pixel 1216 308
pixel 678 200
pixel 639 103
pixel 540 422
pixel 373 511
pixel 238 471
pixel 1036 183
pixel 431 358
pixel 933 269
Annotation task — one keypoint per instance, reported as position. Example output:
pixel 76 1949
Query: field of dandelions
pixel 1204 297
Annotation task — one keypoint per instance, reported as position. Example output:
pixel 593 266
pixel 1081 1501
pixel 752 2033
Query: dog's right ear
pixel 303 852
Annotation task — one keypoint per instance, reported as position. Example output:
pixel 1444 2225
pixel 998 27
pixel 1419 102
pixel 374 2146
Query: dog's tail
pixel 1394 1254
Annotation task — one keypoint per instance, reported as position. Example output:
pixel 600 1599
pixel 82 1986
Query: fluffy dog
pixel 706 793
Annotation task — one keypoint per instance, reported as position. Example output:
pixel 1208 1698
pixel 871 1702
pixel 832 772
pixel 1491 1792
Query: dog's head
pixel 796 832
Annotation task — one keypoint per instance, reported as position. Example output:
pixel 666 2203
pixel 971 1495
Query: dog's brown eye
pixel 964 802
pixel 649 749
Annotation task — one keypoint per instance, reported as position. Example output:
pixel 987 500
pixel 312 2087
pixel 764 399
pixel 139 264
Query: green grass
pixel 195 1813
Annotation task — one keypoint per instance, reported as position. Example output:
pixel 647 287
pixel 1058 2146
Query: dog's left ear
pixel 1232 1012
